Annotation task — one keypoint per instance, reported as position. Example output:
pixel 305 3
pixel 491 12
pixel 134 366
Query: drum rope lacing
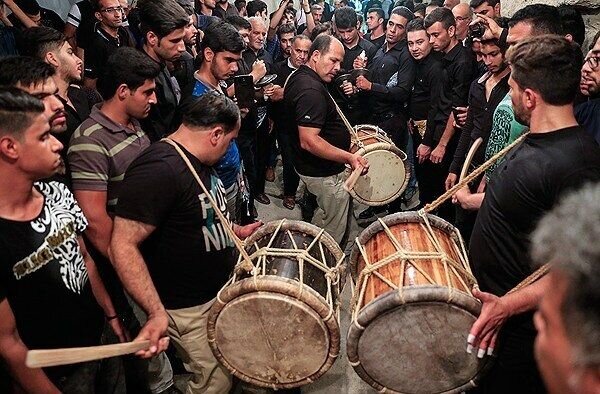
pixel 409 257
pixel 332 274
pixel 351 129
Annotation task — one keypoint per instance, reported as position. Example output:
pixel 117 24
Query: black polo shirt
pixel 309 105
pixel 460 69
pixel 277 108
pixel 427 87
pixel 392 75
pixel 479 120
pixel 100 47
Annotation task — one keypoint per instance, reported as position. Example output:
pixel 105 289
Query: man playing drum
pixel 556 156
pixel 320 141
pixel 168 245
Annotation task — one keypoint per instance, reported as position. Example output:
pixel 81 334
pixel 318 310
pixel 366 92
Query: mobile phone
pixel 244 91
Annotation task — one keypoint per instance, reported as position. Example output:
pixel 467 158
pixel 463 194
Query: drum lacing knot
pixel 355 323
pixel 354 363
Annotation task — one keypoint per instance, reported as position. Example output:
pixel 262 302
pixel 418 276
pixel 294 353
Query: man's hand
pixel 359 62
pixel 451 180
pixel 492 30
pixel 460 196
pixel 348 89
pixel 120 331
pixel 259 70
pixel 276 93
pixel 154 330
pixel 363 83
pixel 484 331
pixel 423 152
pixel 245 231
pixel 357 160
pixel 461 116
pixel 438 154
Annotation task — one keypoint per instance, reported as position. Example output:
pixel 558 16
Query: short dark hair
pixel 255 6
pixel 212 109
pixel 404 12
pixel 17 110
pixel 536 61
pixel 477 3
pixel 187 7
pixel 221 37
pixel 405 3
pixel 24 70
pixel 238 4
pixel 95 5
pixel 544 19
pixel 442 15
pixel 437 3
pixel 161 17
pixel 320 29
pixel 238 22
pixel 415 25
pixel 37 41
pixel 420 7
pixel 286 28
pixel 572 22
pixel 30 7
pixel 345 18
pixel 379 12
pixel 126 66
pixel 321 43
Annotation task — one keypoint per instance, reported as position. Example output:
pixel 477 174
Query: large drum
pixel 389 170
pixel 278 326
pixel 412 307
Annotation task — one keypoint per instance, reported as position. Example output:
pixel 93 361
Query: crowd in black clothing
pixel 114 81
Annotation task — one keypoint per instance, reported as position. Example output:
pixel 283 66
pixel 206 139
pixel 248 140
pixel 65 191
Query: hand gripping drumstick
pixel 53 357
pixel 351 181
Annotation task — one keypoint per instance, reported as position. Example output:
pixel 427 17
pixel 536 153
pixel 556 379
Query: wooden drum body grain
pixel 412 307
pixel 389 170
pixel 278 326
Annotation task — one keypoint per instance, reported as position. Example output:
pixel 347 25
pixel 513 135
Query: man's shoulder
pixel 89 130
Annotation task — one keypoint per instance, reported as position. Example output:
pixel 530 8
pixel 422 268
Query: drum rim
pixel 390 220
pixel 407 173
pixel 410 295
pixel 284 286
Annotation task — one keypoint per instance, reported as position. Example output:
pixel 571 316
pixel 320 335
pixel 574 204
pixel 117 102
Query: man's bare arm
pixel 93 205
pixel 14 351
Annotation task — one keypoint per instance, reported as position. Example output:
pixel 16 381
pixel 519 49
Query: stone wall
pixel 590 10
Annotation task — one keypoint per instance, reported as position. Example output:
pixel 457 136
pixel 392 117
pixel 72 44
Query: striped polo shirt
pixel 100 151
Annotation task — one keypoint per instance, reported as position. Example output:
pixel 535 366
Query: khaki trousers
pixel 187 329
pixel 334 212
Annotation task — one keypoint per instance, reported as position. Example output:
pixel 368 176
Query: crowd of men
pixel 110 121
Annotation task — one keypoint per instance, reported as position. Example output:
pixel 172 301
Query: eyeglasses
pixel 593 61
pixel 113 10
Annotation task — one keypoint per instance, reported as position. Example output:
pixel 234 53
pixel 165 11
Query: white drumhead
pixel 387 177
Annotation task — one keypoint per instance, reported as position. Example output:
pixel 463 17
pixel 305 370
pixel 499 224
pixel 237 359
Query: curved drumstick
pixel 351 181
pixel 52 357
pixel 469 158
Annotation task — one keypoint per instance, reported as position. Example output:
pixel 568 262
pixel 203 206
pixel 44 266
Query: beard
pixel 521 116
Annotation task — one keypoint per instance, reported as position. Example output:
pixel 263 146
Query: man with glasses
pixel 588 113
pixel 109 34
pixel 463 16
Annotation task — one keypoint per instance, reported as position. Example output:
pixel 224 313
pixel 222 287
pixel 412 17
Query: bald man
pixel 463 15
pixel 450 4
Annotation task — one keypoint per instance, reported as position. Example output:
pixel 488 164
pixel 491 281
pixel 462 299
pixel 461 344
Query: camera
pixel 477 30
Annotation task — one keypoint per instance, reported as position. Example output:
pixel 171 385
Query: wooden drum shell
pixel 412 338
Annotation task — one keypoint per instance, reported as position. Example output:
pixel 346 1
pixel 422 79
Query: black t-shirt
pixel 310 105
pixel 189 255
pixel 378 42
pixel 44 278
pixel 527 185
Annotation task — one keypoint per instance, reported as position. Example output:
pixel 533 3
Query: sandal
pixel 289 202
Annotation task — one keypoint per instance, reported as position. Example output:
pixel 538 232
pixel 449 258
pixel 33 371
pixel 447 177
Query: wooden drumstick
pixel 53 357
pixel 469 158
pixel 351 181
